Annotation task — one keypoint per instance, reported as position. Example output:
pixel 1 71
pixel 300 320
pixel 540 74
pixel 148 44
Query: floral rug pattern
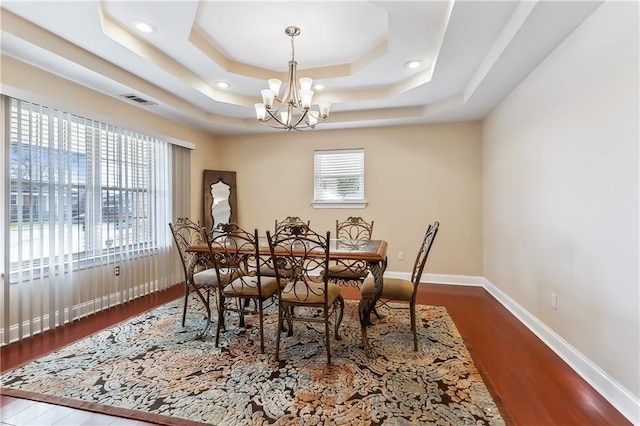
pixel 152 364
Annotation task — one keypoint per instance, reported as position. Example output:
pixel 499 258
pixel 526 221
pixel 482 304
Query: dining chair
pixel 199 273
pixel 401 290
pixel 350 233
pixel 236 256
pixel 307 254
pixel 281 226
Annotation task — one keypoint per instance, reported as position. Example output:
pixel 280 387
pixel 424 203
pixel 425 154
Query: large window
pixel 339 178
pixel 85 219
pixel 78 188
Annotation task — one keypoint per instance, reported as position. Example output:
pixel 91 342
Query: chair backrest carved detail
pixel 288 222
pixel 354 228
pixel 234 252
pixel 306 254
pixel 186 233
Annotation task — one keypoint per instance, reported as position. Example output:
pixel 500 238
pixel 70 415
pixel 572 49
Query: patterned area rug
pixel 151 368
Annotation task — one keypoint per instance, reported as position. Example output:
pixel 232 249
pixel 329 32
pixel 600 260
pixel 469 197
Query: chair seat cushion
pixel 392 288
pixel 310 292
pixel 206 278
pixel 248 286
pixel 347 271
pixel 269 271
pixel 209 278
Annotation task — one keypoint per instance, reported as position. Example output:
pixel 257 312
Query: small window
pixel 339 179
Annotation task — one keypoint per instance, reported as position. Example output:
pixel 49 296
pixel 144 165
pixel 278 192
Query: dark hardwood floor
pixel 530 383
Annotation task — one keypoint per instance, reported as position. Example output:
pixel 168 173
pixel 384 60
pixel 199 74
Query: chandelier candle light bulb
pixel 261 111
pixel 294 110
pixel 274 84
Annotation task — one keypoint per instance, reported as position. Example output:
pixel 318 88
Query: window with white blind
pixel 87 215
pixel 70 172
pixel 339 178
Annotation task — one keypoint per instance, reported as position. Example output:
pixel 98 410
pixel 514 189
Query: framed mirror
pixel 219 198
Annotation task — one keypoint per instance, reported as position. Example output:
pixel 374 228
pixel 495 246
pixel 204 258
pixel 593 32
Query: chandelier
pixel 293 110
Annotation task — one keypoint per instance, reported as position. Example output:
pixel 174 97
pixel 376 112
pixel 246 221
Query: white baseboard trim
pixel 440 278
pixel 623 400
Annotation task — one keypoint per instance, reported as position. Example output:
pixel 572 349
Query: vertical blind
pixel 339 175
pixel 85 224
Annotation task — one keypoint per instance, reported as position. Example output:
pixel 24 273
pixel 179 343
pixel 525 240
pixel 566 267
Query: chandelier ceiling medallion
pixel 293 110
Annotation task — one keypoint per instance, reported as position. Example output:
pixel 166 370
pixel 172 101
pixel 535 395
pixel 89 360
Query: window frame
pixel 323 203
pixel 131 237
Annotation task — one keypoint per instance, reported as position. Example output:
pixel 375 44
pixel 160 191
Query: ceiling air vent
pixel 138 99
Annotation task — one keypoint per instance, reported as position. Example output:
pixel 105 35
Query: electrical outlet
pixel 116 270
pixel 554 301
pixel 400 255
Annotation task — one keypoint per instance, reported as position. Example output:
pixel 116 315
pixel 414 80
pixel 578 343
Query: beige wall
pixel 206 156
pixel 561 192
pixel 413 176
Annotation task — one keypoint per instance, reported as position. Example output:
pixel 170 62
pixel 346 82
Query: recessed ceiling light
pixel 223 84
pixel 143 27
pixel 413 64
pixel 319 86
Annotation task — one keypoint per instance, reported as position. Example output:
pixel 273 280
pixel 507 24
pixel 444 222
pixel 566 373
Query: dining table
pixel 373 252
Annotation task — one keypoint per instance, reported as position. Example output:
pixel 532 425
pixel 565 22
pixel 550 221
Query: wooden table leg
pixel 367 305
